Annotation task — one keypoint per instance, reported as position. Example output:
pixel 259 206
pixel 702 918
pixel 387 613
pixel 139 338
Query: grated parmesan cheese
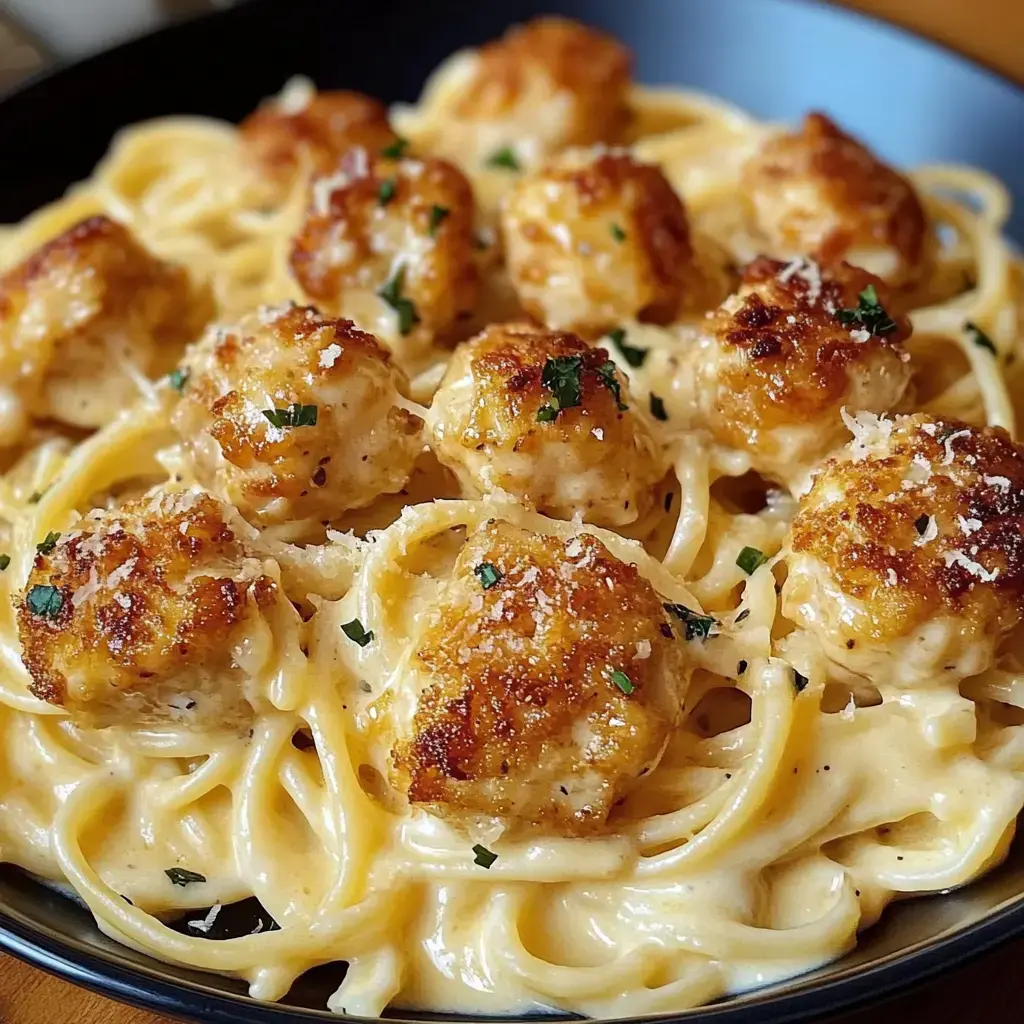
pixel 998 481
pixel 969 526
pixel 974 568
pixel 948 444
pixel 870 432
pixel 206 923
pixel 329 356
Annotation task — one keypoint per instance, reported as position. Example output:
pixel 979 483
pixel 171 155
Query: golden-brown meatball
pixel 543 86
pixel 312 129
pixel 821 193
pixel 908 552
pixel 293 416
pixel 547 683
pixel 595 238
pixel 82 318
pixel 777 361
pixel 389 242
pixel 133 617
pixel 550 420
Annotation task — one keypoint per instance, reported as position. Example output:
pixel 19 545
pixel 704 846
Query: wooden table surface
pixel 985 992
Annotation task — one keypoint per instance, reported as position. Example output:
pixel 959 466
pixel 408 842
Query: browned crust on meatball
pixel 868 201
pixel 327 126
pixel 876 553
pixel 794 351
pixel 158 619
pixel 353 241
pixel 593 66
pixel 518 667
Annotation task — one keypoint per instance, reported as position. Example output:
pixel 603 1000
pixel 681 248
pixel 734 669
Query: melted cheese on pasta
pixel 778 823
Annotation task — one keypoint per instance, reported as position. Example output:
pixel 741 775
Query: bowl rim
pixel 792 1000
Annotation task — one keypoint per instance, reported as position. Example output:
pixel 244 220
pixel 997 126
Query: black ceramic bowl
pixel 912 100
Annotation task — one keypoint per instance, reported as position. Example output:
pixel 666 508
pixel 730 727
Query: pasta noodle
pixel 778 821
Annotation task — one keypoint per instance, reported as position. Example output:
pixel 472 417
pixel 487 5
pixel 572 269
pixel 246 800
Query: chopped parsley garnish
pixel 437 217
pixel 921 524
pixel 800 681
pixel 356 632
pixel 45 602
pixel 179 378
pixel 182 876
pixel 980 338
pixel 742 615
pixel 561 376
pixel 751 559
pixel 504 157
pixel 395 150
pixel 606 372
pixel 658 408
pixel 741 667
pixel 487 574
pixel 5 560
pixel 869 313
pixel 386 192
pixel 36 496
pixel 483 857
pixel 391 293
pixel 698 627
pixel 296 415
pixel 48 543
pixel 631 353
pixel 623 682
pixel 617 233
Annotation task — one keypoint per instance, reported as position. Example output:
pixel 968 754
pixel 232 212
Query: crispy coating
pixel 143 605
pixel 595 238
pixel 821 193
pixel 519 715
pixel 543 86
pixel 79 312
pixel 594 459
pixel 363 442
pixel 908 551
pixel 774 364
pixel 282 134
pixel 375 217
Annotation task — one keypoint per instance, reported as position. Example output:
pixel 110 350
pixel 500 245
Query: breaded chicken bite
pixel 545 685
pixel 545 417
pixel 543 86
pixel 389 243
pixel 293 416
pixel 306 128
pixel 821 193
pixel 595 238
pixel 82 318
pixel 134 617
pixel 908 552
pixel 778 360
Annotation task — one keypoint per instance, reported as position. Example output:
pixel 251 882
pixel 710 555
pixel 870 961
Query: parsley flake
pixel 750 560
pixel 623 682
pixel 182 876
pixel 395 150
pixel 698 627
pixel 800 681
pixel 296 415
pixel 488 574
pixel 741 666
pixel 606 372
pixel 633 355
pixel 5 560
pixel 48 543
pixel 561 376
pixel 869 313
pixel 658 408
pixel 437 218
pixel 391 293
pixel 980 338
pixel 386 192
pixel 921 524
pixel 37 496
pixel 617 233
pixel 179 378
pixel 355 631
pixel 505 158
pixel 483 857
pixel 45 602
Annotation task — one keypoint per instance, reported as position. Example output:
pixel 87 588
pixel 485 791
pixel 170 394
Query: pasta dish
pixel 555 545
